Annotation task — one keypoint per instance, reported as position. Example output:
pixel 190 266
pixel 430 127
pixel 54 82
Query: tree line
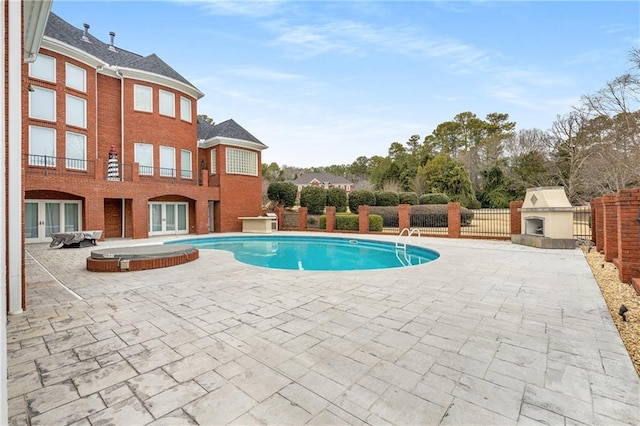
pixel 592 150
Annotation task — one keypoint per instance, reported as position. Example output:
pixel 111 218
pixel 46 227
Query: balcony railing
pixel 63 166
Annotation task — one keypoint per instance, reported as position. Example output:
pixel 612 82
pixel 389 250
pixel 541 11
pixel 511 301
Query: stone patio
pixel 490 333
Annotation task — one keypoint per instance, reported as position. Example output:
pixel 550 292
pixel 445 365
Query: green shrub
pixel 361 197
pixel 283 193
pixel 408 198
pixel 313 198
pixel 337 197
pixel 387 198
pixel 435 198
pixel 351 222
pixel 375 223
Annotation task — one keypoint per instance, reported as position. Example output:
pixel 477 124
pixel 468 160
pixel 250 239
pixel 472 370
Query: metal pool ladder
pixel 402 245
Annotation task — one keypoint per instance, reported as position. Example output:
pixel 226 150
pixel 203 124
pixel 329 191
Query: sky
pixel 324 82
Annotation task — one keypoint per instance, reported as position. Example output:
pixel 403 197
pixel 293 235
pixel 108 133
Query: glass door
pixel 45 217
pixel 168 218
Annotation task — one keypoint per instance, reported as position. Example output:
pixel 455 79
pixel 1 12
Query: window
pixel 144 158
pixel 185 164
pixel 213 162
pixel 242 162
pixel 76 111
pixel 167 161
pixel 76 77
pixel 42 104
pixel 185 109
pixel 167 103
pixel 142 98
pixel 44 68
pixel 76 156
pixel 42 146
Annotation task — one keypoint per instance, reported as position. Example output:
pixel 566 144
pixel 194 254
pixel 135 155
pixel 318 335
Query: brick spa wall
pixel 112 265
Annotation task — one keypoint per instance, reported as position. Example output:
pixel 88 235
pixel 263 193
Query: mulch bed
pixel 617 293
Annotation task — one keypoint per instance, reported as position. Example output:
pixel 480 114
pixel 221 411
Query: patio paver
pixel 490 333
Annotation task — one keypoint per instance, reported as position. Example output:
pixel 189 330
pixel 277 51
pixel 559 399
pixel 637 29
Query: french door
pixel 168 218
pixel 45 217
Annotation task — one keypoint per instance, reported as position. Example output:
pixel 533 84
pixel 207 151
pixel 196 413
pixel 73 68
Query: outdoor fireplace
pixel 546 219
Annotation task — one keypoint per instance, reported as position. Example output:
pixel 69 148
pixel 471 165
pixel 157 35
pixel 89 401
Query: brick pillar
pixel 628 232
pixel 279 211
pixel 403 216
pixel 94 214
pixel 302 218
pixel 202 217
pixel 204 177
pixel 363 219
pixel 453 213
pixel 515 216
pixel 330 212
pixel 98 169
pixel 597 225
pixel 140 218
pixel 135 172
pixel 610 225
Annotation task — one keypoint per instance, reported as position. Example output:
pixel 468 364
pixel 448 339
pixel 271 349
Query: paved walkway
pixel 490 333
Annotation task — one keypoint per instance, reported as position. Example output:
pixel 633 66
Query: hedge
pixel 422 216
pixel 361 197
pixel 350 222
pixel 387 198
pixel 435 198
pixel 337 197
pixel 408 198
pixel 313 198
pixel 283 193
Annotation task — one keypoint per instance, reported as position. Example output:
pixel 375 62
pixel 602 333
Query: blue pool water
pixel 315 253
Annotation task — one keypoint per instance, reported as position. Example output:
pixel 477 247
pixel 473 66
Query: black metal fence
pixel 582 223
pixel 494 223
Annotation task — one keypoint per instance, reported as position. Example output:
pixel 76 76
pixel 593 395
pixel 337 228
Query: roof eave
pixel 240 143
pixel 35 15
pixel 160 79
pixel 65 49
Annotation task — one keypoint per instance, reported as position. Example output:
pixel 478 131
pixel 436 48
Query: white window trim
pixel 186 173
pixel 168 171
pixel 213 162
pixel 164 93
pixel 31 103
pixel 73 163
pixel 143 169
pixel 32 159
pixel 185 112
pixel 43 78
pixel 242 159
pixel 84 77
pixel 146 89
pixel 84 111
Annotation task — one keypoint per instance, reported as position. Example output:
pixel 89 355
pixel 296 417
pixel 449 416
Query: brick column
pixel 610 225
pixel 202 217
pixel 135 172
pixel 302 218
pixel 204 177
pixel 515 216
pixel 94 214
pixel 597 226
pixel 279 211
pixel 331 218
pixel 140 218
pixel 403 216
pixel 628 233
pixel 453 213
pixel 363 219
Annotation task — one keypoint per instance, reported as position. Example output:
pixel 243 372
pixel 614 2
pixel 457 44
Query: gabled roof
pixel 226 130
pixel 307 178
pixel 64 32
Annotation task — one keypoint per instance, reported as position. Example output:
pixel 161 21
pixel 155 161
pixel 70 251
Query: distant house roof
pixel 307 178
pixel 225 132
pixel 64 32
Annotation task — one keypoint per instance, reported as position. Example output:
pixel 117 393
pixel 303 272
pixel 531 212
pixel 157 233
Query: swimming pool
pixel 315 253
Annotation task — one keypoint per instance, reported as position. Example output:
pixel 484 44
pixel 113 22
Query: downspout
pixel 98 68
pixel 122 203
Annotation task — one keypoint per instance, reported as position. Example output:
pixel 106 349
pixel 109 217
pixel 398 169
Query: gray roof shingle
pixel 306 179
pixel 60 30
pixel 226 129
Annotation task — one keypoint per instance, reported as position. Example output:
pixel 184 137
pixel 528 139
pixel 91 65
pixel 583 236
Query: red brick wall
pixel 404 219
pixel 453 212
pixel 628 234
pixel 597 223
pixel 610 226
pixel 515 216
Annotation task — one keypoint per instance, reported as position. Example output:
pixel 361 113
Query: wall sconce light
pixel 30 88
